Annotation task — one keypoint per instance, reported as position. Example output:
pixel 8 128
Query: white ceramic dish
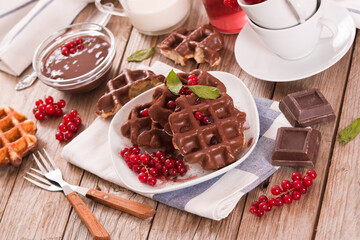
pixel 255 59
pixel 243 100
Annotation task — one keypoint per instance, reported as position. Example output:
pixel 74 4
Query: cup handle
pixel 300 12
pixel 107 9
pixel 329 24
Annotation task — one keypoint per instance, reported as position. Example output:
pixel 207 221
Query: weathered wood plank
pixel 340 211
pixel 302 213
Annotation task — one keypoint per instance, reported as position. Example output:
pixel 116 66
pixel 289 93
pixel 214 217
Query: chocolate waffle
pixel 144 132
pixel 17 136
pixel 214 145
pixel 158 111
pixel 124 87
pixel 202 44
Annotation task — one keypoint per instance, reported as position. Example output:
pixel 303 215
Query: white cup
pixel 299 41
pixel 151 17
pixel 278 14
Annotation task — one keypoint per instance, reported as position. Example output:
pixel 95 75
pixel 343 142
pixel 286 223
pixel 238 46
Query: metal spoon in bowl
pixel 96 17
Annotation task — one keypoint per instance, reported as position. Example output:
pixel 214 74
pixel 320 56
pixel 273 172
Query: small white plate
pixel 243 101
pixel 255 59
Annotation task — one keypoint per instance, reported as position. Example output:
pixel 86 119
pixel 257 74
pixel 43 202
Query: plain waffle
pixel 17 136
pixel 124 87
pixel 202 44
pixel 144 132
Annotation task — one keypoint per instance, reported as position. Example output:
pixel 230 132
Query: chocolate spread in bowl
pixel 58 66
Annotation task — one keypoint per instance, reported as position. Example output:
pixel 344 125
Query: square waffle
pixel 17 136
pixel 202 44
pixel 158 111
pixel 144 132
pixel 124 87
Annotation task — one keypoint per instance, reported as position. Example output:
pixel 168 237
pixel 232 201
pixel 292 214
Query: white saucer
pixel 255 59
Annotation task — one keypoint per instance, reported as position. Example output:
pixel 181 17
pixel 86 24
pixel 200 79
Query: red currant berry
pixel 134 158
pixel 173 172
pixel 69 135
pixel 65 51
pixel 183 90
pixel 276 190
pixel 42 108
pixel 39 102
pixel 287 198
pixel 50 109
pixel 144 112
pixel 67 118
pixel 198 115
pixel 151 181
pixel 49 100
pixel 80 47
pixel 279 202
pixel 143 176
pixel 192 77
pixel 253 210
pixel 179 163
pixel 153 172
pixel 145 159
pixel 70 44
pixel 263 206
pixel 71 127
pixel 307 181
pixel 39 115
pixel 160 154
pixel 268 209
pixel 255 204
pixel 191 82
pixel 311 173
pixel 122 152
pixel 61 103
pixel 58 112
pixel 130 164
pixel 171 105
pixel 165 171
pixel 286 184
pixel 260 213
pixel 296 195
pixel 181 170
pixel 62 127
pixel 303 190
pixel 73 113
pixel 271 202
pixel 169 163
pixel 205 120
pixel 262 198
pixel 72 50
pixel 296 176
pixel 136 168
pixel 297 184
pixel 135 150
pixel 127 155
pixel 35 109
pixel 79 40
pixel 77 121
pixel 59 136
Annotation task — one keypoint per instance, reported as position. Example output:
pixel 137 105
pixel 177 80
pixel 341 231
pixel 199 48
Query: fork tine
pixel 37 171
pixel 41 167
pixel 44 180
pixel 45 162
pixel 50 159
pixel 38 184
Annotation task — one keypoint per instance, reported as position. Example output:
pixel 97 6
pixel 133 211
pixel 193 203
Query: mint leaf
pixel 141 55
pixel 206 92
pixel 350 132
pixel 173 83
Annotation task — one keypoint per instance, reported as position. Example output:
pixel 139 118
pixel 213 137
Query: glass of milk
pixel 151 17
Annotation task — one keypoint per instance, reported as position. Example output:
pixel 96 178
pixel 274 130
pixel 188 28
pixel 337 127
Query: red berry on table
pixel 67 118
pixel 72 50
pixel 151 180
pixel 70 44
pixel 61 103
pixel 136 168
pixel 42 108
pixel 73 113
pixel 77 121
pixel 303 190
pixel 296 195
pixel 143 176
pixel 144 112
pixel 79 40
pixel 263 206
pixel 262 198
pixel 134 158
pixel 271 202
pixel 297 184
pixel 198 115
pixel 286 184
pixel 62 127
pixel 268 209
pixel 49 100
pixel 39 102
pixel 122 152
pixel 171 105
pixel 59 136
pixel 50 109
pixel 39 115
pixel 307 181
pixel 144 158
pixel 68 135
pixel 276 190
pixel 58 112
pixel 71 127
pixel 296 176
pixel 65 51
pixel 287 198
pixel 260 213
pixel 279 202
pixel 311 173
pixel 253 210
pixel 130 164
pixel 169 163
pixel 255 204
pixel 127 155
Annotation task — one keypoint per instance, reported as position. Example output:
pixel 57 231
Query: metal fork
pixel 87 217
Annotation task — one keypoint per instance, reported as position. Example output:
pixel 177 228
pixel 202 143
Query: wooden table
pixel 330 210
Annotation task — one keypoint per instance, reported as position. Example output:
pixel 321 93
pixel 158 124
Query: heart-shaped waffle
pixel 17 136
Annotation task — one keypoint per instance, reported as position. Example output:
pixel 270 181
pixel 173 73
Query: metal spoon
pixel 96 17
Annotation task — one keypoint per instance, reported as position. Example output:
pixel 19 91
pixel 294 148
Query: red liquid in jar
pixel 223 18
pixel 58 66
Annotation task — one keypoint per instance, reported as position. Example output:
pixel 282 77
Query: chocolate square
pixel 296 147
pixel 306 108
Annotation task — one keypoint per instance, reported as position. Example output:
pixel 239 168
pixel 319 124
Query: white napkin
pixel 25 23
pixel 353 6
pixel 213 199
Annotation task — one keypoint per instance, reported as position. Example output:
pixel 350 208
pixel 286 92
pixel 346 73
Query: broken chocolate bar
pixel 306 108
pixel 296 147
